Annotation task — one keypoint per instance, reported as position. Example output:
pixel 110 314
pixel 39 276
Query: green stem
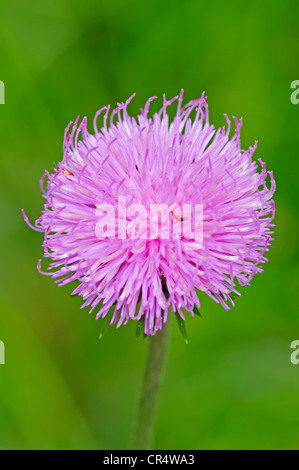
pixel 150 388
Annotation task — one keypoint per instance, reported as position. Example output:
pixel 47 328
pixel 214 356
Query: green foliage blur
pixel 233 386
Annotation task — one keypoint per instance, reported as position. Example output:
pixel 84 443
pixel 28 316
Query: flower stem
pixel 150 388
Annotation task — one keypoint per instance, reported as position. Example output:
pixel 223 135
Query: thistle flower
pixel 149 161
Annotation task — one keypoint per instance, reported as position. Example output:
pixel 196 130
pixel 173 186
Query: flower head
pixel 98 215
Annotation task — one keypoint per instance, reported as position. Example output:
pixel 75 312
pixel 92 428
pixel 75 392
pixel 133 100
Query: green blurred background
pixel 233 386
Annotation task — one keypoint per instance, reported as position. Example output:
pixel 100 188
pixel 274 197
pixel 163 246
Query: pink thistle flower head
pixel 103 198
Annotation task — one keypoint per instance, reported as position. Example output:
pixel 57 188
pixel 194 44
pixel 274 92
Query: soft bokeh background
pixel 233 386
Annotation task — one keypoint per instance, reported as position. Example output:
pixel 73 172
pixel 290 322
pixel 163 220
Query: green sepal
pixel 182 327
pixel 234 296
pixel 106 325
pixel 196 311
pixel 139 326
